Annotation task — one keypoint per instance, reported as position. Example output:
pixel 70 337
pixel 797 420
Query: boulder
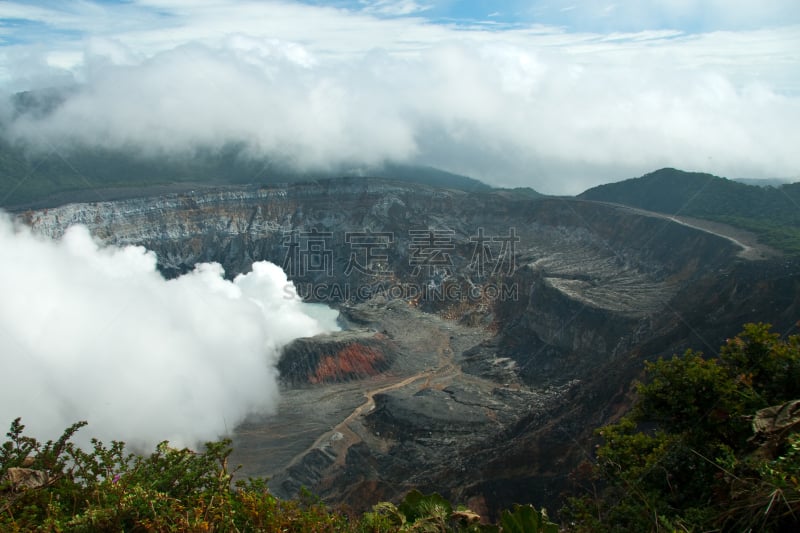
pixel 23 478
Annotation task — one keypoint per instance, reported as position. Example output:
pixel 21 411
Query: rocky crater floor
pixel 422 410
pixel 486 333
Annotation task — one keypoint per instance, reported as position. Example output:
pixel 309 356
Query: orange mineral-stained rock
pixel 352 361
pixel 336 357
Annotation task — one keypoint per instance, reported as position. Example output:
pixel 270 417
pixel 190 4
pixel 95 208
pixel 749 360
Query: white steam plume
pixel 97 334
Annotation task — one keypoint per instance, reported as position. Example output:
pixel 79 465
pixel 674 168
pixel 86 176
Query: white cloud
pixel 96 334
pixel 538 106
pixel 689 15
pixel 394 7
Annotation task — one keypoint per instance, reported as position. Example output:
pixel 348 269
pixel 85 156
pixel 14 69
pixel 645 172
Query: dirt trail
pixel 343 429
pixel 342 436
pixel 747 252
pixel 751 249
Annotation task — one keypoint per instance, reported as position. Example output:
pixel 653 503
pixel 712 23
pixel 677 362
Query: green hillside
pixel 773 213
pixel 34 177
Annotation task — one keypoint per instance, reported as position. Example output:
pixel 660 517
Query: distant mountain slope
pixel 768 182
pixel 428 176
pixel 42 178
pixel 773 213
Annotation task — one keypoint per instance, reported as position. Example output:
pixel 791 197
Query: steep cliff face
pixel 364 232
pixel 496 329
pixel 234 222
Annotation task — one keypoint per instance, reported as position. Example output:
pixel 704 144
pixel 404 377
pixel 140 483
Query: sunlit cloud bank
pixel 322 87
pixel 96 333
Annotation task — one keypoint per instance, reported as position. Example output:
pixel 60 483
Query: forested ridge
pixel 772 213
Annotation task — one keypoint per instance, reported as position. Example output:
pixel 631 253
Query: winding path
pixel 446 369
pixel 751 249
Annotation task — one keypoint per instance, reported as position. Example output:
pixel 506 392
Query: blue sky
pixel 597 16
pixel 602 16
pixel 555 94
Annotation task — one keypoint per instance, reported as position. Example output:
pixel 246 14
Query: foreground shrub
pixel 712 444
pixel 108 489
pixel 59 487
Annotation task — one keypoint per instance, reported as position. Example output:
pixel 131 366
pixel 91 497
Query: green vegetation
pixel 109 490
pixel 58 487
pixel 686 458
pixel 772 213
